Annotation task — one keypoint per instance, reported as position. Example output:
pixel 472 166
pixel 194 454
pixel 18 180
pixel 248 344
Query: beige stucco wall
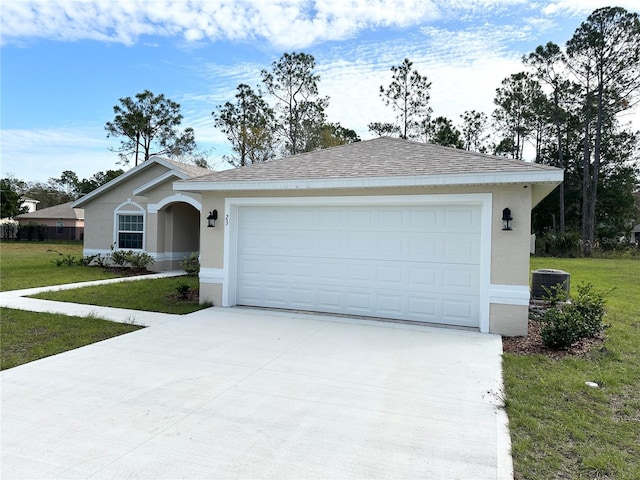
pixel 509 249
pixel 507 320
pixel 98 213
pixel 171 233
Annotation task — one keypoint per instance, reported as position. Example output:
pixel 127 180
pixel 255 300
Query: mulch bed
pixel 192 296
pixel 532 343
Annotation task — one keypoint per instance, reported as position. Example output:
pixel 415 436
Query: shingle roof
pixel 188 169
pixel 62 211
pixel 380 157
pixel 184 169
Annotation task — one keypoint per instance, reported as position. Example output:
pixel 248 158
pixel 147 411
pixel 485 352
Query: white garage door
pixel 409 262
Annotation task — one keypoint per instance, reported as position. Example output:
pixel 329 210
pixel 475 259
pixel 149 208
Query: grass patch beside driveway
pixel 29 336
pixel 561 428
pixel 154 295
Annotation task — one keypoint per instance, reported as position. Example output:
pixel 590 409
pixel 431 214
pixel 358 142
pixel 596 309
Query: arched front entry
pixel 177 233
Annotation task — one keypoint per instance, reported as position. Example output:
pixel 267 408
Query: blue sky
pixel 65 63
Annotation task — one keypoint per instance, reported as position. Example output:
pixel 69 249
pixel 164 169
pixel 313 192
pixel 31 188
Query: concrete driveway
pixel 244 393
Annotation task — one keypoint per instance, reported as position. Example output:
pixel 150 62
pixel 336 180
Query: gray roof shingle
pixel 188 169
pixel 380 157
pixel 62 211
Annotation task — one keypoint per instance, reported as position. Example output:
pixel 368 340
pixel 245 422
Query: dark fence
pixel 43 232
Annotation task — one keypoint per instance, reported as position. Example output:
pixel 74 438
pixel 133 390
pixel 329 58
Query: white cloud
pixel 44 153
pixel 284 23
pixel 585 7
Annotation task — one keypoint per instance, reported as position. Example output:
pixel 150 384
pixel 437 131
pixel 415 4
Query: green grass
pixel 155 295
pixel 31 264
pixel 28 336
pixel 562 429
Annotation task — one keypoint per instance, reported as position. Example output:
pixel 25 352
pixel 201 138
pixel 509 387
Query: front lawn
pixel 32 264
pixel 561 428
pixel 29 336
pixel 152 295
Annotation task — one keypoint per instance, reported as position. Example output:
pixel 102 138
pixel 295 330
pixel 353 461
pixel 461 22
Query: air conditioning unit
pixel 548 278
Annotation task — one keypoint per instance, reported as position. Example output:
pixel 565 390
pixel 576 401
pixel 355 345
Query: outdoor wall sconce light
pixel 211 219
pixel 506 219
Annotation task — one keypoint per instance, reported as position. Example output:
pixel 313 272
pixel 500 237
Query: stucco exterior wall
pixel 99 232
pixel 507 319
pixel 171 218
pixel 509 269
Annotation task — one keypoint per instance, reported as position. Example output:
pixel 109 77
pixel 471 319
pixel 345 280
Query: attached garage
pixel 384 228
pixel 413 259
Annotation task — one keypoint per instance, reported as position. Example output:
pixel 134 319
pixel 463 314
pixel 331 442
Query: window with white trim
pixel 130 231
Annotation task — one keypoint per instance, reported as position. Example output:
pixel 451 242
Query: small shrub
pixel 87 260
pixel 119 257
pixel 562 327
pixel 566 323
pixel 102 261
pixel 191 264
pixel 591 306
pixel 183 290
pixel 139 261
pixel 555 295
pixel 68 260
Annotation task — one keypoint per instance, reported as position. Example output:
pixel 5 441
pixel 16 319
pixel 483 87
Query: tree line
pixel 66 188
pixel 564 106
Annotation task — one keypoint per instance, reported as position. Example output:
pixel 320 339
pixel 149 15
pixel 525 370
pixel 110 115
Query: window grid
pixel 130 223
pixel 130 228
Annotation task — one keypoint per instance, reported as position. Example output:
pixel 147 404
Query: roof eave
pixel 79 203
pixel 554 177
pixel 143 189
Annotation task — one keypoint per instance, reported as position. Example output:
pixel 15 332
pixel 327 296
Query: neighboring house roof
pixel 381 162
pixel 64 211
pixel 177 170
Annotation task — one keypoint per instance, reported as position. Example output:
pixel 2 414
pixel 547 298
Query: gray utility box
pixel 544 277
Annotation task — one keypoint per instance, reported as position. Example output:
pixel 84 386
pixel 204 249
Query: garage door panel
pixel 301 270
pixel 461 219
pixel 302 298
pixel 422 219
pixel 329 218
pixel 459 311
pixel 403 261
pixel 358 302
pixel 360 272
pixel 462 249
pixel 329 300
pixel 460 278
pixel 252 294
pixel 389 304
pixel 361 218
pixel 422 307
pixel 391 274
pixel 391 218
pixel 276 295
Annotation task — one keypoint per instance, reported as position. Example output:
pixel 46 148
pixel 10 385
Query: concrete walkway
pixel 18 299
pixel 248 393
